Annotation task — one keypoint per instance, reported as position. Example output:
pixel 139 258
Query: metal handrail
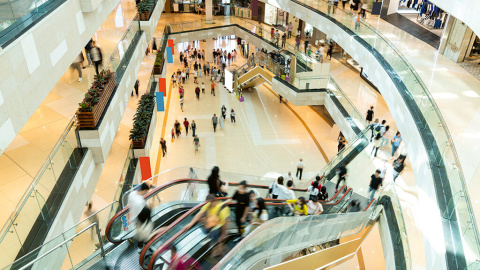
pixel 94 224
pixel 35 181
pixel 442 122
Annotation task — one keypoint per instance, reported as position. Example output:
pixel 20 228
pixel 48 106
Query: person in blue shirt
pixel 396 142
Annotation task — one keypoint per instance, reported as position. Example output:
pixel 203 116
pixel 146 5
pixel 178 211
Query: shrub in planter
pixel 158 63
pixel 141 120
pixel 145 7
pixel 93 105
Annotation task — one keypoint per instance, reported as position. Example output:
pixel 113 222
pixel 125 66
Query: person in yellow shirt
pixel 215 217
pixel 300 208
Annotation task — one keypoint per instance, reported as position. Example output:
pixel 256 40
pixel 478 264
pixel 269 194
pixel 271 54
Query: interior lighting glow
pixel 444 95
pixel 471 94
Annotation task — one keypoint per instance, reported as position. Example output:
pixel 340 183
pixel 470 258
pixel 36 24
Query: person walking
pixel 88 48
pixel 197 92
pixel 330 51
pixel 330 7
pixel 243 206
pixel 224 112
pixel 195 74
pixel 297 42
pixel 77 64
pixel 376 144
pixel 173 134
pixel 300 166
pixel 398 166
pixel 307 41
pixel 163 144
pixel 396 142
pixel 213 88
pixel 385 136
pixel 193 126
pixel 181 102
pixel 177 128
pixel 196 143
pixel 184 76
pixel 277 38
pixel 341 171
pixel 370 114
pixel 186 124
pixel 364 9
pixel 220 120
pixel 232 116
pixel 199 70
pixel 375 183
pixel 187 73
pixel 97 57
pixel 214 122
pixel 284 40
pixel 203 87
pixel 341 144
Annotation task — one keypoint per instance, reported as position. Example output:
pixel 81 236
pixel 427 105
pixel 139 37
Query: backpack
pixel 378 128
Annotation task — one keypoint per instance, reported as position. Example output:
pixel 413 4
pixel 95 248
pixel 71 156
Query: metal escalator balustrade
pixel 461 230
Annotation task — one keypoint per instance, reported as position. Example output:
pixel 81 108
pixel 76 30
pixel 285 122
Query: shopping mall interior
pixel 239 134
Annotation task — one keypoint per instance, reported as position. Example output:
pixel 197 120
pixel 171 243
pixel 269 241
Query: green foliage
pixel 85 107
pixel 143 117
pixel 145 6
pixel 158 59
pixel 93 94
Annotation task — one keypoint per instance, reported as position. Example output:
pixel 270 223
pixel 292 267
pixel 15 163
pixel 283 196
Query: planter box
pixel 144 149
pixel 140 143
pixel 157 70
pixel 90 119
pixel 149 23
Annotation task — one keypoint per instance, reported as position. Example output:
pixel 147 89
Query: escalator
pixel 195 244
pixel 256 72
pixel 172 204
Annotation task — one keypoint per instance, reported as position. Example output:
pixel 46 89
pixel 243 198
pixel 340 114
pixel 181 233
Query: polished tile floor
pixel 24 157
pixel 266 133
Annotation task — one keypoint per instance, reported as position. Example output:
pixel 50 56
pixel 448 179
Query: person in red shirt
pixel 186 124
pixel 213 88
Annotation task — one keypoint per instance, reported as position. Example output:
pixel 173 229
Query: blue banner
pixel 160 105
pixel 169 55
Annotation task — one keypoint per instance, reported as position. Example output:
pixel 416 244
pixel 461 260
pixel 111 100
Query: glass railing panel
pixel 273 239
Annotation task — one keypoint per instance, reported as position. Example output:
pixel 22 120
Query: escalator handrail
pixel 341 199
pixel 162 187
pixel 370 204
pixel 167 243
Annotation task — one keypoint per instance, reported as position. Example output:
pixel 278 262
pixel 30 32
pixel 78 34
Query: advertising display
pixel 228 80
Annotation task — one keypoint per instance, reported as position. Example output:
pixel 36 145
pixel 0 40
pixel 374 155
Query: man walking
pixel 375 183
pixel 197 92
pixel 300 166
pixel 214 122
pixel 213 88
pixel 163 143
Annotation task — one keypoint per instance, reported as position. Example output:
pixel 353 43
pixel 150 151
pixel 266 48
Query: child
pixel 173 134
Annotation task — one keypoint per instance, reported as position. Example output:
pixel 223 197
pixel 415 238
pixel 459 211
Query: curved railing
pixel 179 191
pixel 451 190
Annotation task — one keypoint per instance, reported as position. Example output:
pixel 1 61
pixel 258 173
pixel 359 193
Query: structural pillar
pixel 209 11
pixel 209 49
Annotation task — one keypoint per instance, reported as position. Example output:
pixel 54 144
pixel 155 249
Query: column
pixel 209 11
pixel 209 49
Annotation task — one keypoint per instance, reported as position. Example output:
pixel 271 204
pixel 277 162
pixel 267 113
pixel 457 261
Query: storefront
pixel 424 13
pixel 275 16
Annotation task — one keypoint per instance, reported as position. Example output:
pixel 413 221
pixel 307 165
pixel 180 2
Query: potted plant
pixel 157 67
pixel 96 98
pixel 145 8
pixel 141 121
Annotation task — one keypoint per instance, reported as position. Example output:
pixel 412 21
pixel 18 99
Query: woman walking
pixel 232 116
pixel 186 124
pixel 224 112
pixel 177 128
pixel 193 126
pixel 196 143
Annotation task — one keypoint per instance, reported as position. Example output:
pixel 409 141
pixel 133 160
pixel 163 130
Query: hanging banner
pixel 170 44
pixel 162 86
pixel 145 168
pixel 159 98
pixel 169 55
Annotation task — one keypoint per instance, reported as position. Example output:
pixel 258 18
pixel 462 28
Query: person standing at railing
pixel 398 166
pixel 290 29
pixel 330 7
pixel 284 40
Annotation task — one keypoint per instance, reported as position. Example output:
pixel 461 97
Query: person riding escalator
pixel 215 217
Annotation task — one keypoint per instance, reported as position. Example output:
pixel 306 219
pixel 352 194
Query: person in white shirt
pixel 314 207
pixel 289 177
pixel 136 202
pixel 300 166
pixel 288 194
pixel 313 190
pixel 321 52
pixel 274 188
